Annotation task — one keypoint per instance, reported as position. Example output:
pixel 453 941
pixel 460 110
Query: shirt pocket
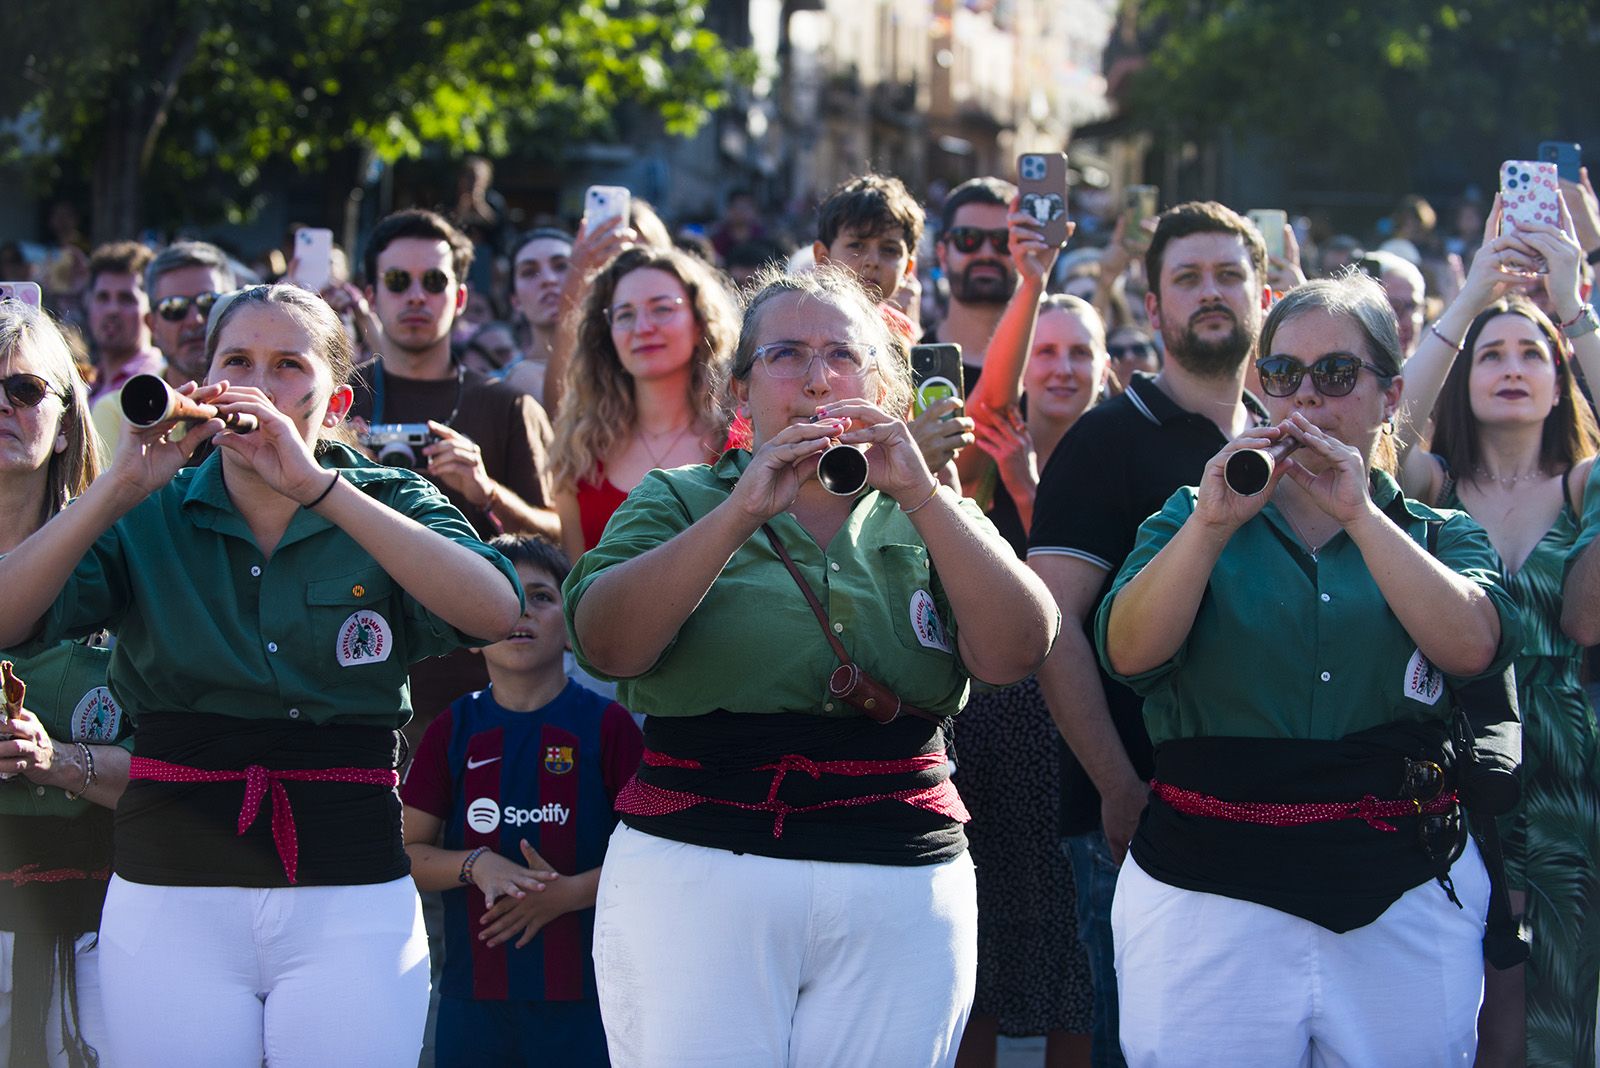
pixel 357 617
pixel 920 617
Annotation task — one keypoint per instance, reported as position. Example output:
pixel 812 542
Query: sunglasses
pixel 176 309
pixel 396 280
pixel 970 238
pixel 1133 350
pixel 26 391
pixel 1333 375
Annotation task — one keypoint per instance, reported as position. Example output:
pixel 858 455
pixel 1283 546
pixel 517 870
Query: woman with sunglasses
pixel 267 604
pixel 61 767
pixel 1301 888
pixel 790 884
pixel 654 336
pixel 1513 445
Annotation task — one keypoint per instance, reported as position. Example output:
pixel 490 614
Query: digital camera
pixel 399 444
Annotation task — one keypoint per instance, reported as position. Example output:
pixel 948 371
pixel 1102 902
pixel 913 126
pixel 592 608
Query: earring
pixel 1389 426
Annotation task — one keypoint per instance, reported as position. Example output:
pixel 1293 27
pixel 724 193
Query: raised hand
pixel 941 438
pixel 1218 506
pixel 276 451
pixel 782 465
pixel 146 460
pixel 1341 488
pixel 895 466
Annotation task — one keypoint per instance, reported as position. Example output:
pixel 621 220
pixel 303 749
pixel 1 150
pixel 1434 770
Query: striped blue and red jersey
pixel 496 777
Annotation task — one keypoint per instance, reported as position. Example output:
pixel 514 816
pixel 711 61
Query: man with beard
pixel 1121 461
pixel 975 260
pixel 539 266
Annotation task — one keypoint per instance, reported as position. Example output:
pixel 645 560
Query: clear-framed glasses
pixel 625 317
pixel 793 359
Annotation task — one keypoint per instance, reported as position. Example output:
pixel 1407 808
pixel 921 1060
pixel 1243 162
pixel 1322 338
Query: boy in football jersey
pixel 508 806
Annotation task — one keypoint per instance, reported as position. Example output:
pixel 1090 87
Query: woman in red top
pixel 656 331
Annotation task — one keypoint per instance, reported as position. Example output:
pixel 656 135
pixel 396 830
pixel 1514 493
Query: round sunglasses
pixel 176 309
pixel 397 280
pixel 25 390
pixel 1333 375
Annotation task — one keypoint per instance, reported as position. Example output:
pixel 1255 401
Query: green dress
pixel 1552 839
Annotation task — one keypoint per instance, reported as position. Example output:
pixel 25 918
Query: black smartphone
pixel 1566 155
pixel 1370 267
pixel 936 374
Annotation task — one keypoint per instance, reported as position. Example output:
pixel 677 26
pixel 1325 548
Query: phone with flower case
pixel 1529 193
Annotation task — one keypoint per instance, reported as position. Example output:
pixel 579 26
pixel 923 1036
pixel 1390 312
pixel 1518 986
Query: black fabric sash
pixel 1339 875
pixel 31 845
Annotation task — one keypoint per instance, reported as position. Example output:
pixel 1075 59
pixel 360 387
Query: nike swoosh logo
pixel 472 764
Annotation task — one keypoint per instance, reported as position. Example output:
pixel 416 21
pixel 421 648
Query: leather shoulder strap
pixel 811 598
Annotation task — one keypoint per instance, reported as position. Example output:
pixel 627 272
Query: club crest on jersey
pixel 558 759
pixel 364 638
pixel 97 718
pixel 1424 682
pixel 926 623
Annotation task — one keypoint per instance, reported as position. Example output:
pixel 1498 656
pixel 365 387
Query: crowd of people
pixel 502 653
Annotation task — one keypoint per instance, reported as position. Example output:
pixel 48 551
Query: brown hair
pixel 1570 433
pixel 70 471
pixel 119 257
pixel 868 206
pixel 418 222
pixel 1202 217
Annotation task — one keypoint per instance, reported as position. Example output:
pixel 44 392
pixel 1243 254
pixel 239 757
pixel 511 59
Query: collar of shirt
pixel 1161 409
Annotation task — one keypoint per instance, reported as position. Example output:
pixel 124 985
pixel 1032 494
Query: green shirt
pixel 753 644
pixel 67 691
pixel 1286 646
pixel 319 633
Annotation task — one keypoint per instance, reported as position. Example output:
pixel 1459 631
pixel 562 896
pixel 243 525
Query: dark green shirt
pixel 319 633
pixel 1286 646
pixel 753 644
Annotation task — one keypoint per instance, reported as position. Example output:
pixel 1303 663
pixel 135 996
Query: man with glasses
pixel 1118 465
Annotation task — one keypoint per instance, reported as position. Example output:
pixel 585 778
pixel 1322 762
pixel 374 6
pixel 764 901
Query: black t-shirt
pixel 1114 469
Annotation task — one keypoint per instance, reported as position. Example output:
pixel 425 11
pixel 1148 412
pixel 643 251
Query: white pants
pixel 714 959
pixel 1206 980
pixel 225 976
pixel 91 1024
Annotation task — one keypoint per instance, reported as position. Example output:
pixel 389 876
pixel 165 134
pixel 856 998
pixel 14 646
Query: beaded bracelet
pixel 931 495
pixel 86 755
pixel 466 865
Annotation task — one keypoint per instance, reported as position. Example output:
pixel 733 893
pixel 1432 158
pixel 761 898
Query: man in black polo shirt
pixel 1116 467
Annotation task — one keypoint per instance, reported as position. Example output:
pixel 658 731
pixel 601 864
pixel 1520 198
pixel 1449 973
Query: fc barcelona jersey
pixel 497 777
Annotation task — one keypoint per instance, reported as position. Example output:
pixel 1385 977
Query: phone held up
pixel 313 253
pixel 1271 221
pixel 936 375
pixel 1042 189
pixel 604 202
pixel 1140 202
pixel 1566 155
pixel 1529 194
pixel 23 292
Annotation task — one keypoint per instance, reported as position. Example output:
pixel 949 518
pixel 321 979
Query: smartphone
pixel 1371 268
pixel 313 248
pixel 1529 192
pixel 936 374
pixel 1140 202
pixel 27 293
pixel 1271 221
pixel 603 202
pixel 1566 155
pixel 1042 186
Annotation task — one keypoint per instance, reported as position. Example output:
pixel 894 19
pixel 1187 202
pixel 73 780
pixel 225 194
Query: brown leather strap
pixel 811 598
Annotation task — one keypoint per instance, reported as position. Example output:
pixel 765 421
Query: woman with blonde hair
pixel 654 339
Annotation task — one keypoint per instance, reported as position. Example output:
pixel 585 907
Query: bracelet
pixel 1583 309
pixel 1586 323
pixel 931 495
pixel 321 496
pixel 1454 345
pixel 466 865
pixel 89 777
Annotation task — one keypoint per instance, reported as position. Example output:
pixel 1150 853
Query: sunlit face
pixel 774 402
pixel 880 260
pixel 1067 367
pixel 1357 417
pixel 414 319
pixel 540 637
pixel 265 347
pixel 1513 378
pixel 985 275
pixel 29 436
pixel 537 275
pixel 183 342
pixel 117 307
pixel 652 324
pixel 1209 304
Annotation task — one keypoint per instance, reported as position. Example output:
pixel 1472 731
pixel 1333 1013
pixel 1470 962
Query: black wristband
pixel 325 492
pixel 1594 256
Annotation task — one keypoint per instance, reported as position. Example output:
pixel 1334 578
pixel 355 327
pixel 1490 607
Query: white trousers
pixel 714 959
pixel 1206 980
pixel 91 1025
pixel 227 976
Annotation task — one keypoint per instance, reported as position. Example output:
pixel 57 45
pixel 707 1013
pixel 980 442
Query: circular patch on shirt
pixel 483 815
pixel 97 718
pixel 926 623
pixel 1424 682
pixel 364 638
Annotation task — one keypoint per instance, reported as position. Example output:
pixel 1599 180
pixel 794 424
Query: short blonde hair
pixel 25 328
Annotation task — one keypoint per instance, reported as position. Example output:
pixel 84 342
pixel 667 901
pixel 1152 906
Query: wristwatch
pixel 1586 323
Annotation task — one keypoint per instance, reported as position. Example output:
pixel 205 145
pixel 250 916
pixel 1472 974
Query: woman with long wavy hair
pixel 654 338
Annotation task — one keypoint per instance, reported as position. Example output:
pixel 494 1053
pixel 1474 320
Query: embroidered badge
pixel 1424 682
pixel 364 638
pixel 558 759
pixel 97 718
pixel 925 621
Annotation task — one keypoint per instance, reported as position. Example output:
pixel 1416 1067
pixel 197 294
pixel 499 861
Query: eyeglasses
pixel 26 391
pixel 398 280
pixel 970 238
pixel 625 317
pixel 793 359
pixel 176 309
pixel 1133 350
pixel 1333 375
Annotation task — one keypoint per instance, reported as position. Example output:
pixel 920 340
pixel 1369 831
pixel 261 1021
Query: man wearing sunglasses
pixel 1115 467
pixel 974 258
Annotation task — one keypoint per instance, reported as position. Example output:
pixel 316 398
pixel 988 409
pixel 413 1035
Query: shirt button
pixel 826 708
pixel 294 713
pixel 835 566
pixel 255 572
pixel 838 628
pixel 1326 598
pixel 39 791
pixel 1326 676
pixel 272 647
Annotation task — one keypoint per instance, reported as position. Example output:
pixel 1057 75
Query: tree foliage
pixel 202 97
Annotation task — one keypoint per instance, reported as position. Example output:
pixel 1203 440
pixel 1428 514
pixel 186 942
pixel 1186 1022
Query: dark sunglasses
pixel 26 391
pixel 434 280
pixel 176 309
pixel 1133 350
pixel 1333 375
pixel 970 238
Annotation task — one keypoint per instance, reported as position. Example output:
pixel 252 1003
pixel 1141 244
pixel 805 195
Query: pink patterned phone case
pixel 1529 192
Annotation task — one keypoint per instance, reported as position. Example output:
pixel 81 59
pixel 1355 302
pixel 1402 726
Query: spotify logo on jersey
pixel 483 815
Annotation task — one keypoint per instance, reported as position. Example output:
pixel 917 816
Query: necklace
pixel 655 458
pixel 1311 550
pixel 1507 481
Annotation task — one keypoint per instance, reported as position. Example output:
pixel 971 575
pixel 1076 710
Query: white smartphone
pixel 603 202
pixel 1271 221
pixel 24 292
pixel 1530 193
pixel 313 251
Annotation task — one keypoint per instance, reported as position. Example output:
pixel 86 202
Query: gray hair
pixel 1349 295
pixel 183 254
pixel 1393 263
